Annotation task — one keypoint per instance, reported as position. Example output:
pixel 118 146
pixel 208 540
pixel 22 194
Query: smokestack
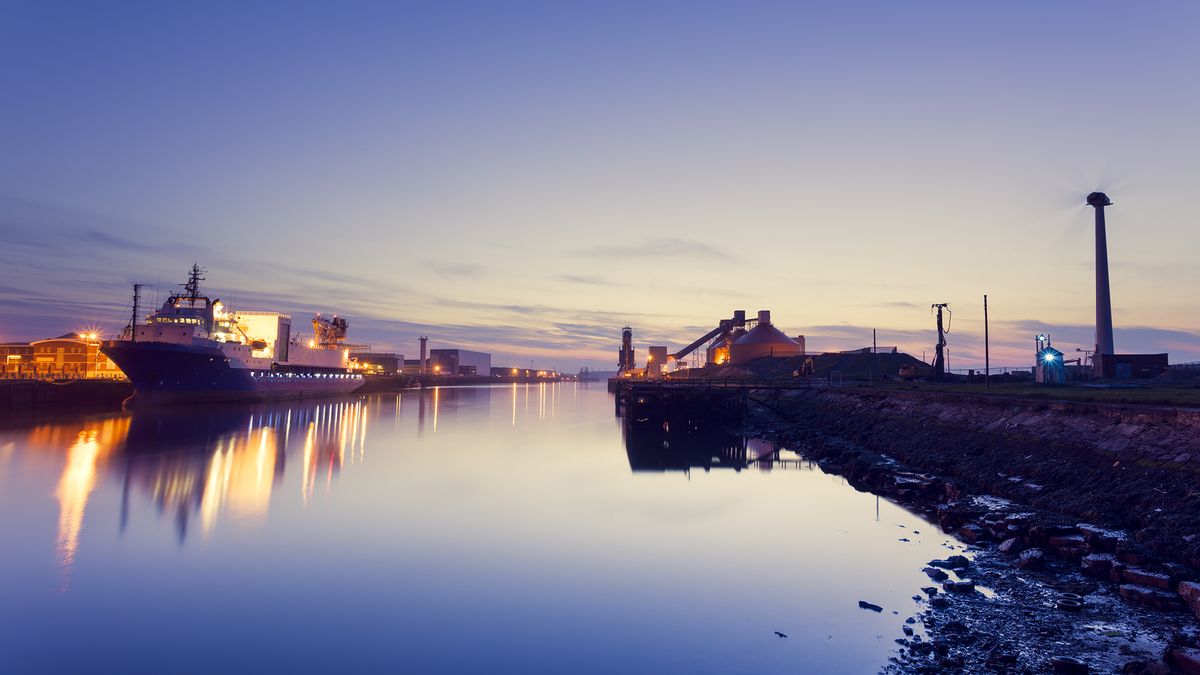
pixel 1104 324
pixel 424 339
pixel 764 317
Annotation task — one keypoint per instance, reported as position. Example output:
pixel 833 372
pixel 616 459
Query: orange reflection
pixel 78 481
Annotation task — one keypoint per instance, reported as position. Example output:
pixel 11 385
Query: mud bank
pixel 1056 509
pixel 1123 467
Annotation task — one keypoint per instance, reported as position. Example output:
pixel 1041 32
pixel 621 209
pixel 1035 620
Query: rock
pixel 1185 660
pixel 867 605
pixel 1100 539
pixel 1146 668
pixel 1137 575
pixel 929 590
pixel 907 630
pixel 1132 556
pixel 964 586
pixel 1150 597
pixel 953 562
pixel 972 533
pixel 1190 592
pixel 939 602
pixel 1068 665
pixel 1098 564
pixel 1071 546
pixel 1031 559
pixel 1011 546
pixel 935 574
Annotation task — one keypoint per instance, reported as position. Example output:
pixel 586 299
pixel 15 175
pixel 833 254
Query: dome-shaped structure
pixel 763 340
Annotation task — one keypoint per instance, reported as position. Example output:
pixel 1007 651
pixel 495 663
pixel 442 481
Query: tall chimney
pixel 1104 324
pixel 764 317
pixel 424 339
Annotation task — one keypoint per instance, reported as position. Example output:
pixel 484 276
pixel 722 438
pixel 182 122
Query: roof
pixel 765 334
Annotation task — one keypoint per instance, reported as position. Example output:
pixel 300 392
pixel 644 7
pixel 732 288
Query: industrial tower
pixel 1104 323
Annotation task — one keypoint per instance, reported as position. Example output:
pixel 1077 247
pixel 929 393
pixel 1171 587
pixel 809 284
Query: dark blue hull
pixel 172 373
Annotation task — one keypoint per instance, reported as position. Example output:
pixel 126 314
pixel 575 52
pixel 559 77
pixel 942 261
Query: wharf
pixel 694 405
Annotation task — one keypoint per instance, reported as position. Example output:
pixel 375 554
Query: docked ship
pixel 195 349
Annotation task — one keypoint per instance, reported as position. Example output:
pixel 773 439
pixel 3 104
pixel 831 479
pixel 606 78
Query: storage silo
pixel 763 340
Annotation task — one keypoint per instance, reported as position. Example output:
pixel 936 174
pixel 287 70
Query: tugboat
pixel 194 349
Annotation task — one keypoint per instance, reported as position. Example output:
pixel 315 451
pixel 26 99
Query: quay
pixel 696 405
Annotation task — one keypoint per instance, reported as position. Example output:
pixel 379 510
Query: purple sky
pixel 526 178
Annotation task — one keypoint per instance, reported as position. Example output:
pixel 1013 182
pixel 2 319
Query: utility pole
pixel 875 352
pixel 939 358
pixel 987 355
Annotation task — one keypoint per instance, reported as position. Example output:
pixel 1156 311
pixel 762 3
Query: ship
pixel 195 349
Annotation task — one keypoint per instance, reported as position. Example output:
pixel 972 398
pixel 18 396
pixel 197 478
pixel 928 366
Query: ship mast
pixel 192 287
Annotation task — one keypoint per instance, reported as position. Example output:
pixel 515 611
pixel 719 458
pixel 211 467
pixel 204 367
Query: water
pixel 495 529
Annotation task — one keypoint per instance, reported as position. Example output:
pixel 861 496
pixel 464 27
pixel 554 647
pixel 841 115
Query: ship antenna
pixel 192 287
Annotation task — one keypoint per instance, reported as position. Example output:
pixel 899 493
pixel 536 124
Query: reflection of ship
pixel 194 349
pixel 230 460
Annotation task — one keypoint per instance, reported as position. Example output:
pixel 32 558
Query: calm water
pixel 507 529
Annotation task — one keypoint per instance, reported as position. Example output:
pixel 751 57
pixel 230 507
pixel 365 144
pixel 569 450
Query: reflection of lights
pixel 74 487
pixel 436 395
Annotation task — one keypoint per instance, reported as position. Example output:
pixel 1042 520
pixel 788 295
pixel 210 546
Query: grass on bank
pixel 1178 394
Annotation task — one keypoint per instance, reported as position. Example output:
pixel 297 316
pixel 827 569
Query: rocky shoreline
pixel 1063 572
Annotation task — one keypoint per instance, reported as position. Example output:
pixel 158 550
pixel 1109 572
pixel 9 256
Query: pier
pixel 690 406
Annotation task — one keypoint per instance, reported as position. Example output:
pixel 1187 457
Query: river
pixel 488 529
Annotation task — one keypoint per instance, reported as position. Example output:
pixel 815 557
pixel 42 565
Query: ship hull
pixel 166 373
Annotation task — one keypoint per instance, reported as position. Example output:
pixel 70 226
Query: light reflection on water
pixel 457 529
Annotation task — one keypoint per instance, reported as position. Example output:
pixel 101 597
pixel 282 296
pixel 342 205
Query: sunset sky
pixel 527 178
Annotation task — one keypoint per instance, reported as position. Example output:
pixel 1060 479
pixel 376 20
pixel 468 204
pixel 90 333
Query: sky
pixel 527 178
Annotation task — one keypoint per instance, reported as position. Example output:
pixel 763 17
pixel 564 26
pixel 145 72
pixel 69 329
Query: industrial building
pixel 380 363
pixel 68 356
pixel 459 362
pixel 1106 362
pixel 764 340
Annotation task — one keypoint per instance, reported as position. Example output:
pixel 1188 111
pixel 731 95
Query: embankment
pixel 1129 467
pixel 23 398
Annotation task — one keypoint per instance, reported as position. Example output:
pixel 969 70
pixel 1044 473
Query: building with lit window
pixel 69 356
pixel 17 360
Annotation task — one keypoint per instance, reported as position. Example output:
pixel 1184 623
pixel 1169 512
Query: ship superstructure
pixel 194 349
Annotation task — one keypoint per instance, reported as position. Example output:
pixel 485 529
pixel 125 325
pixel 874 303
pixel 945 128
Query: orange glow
pixel 74 488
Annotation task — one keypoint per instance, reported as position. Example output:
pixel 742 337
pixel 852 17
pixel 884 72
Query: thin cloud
pixel 586 280
pixel 656 248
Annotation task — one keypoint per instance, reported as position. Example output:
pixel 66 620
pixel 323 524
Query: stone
pixel 1150 597
pixel 964 586
pixel 1032 559
pixel 929 590
pixel 1186 660
pixel 1100 539
pixel 1137 575
pixel 907 630
pixel 1097 564
pixel 953 562
pixel 935 574
pixel 1190 592
pixel 1071 546
pixel 1011 546
pixel 972 533
pixel 871 606
pixel 939 601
